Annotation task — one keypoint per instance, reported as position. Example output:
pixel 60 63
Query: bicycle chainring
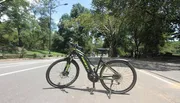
pixel 93 77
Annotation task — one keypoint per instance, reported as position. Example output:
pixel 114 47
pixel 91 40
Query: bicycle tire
pixel 53 65
pixel 124 64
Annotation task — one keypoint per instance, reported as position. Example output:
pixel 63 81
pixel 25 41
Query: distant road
pixel 23 81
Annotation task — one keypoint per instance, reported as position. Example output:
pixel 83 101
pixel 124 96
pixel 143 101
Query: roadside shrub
pixel 50 55
pixel 34 55
pixel 23 51
pixel 11 56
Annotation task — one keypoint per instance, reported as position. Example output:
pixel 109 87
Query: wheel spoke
pixel 123 83
pixel 57 77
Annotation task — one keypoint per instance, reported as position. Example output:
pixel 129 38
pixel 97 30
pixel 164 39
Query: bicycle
pixel 108 75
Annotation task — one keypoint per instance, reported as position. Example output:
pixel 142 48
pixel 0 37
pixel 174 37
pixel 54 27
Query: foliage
pixel 148 23
pixel 76 26
pixel 8 34
pixel 16 13
pixel 171 47
pixel 77 10
pixel 127 27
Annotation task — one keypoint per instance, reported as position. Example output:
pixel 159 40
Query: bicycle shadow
pixel 66 90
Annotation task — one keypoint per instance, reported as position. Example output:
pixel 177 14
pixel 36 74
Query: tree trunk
pixel 20 44
pixel 113 50
pixel 137 52
pixel 132 54
pixel 137 44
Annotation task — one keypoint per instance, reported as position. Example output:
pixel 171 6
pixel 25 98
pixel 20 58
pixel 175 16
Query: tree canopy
pixel 128 27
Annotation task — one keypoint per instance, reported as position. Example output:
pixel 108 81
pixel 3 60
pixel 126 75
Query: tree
pixel 149 22
pixel 74 26
pixel 45 9
pixel 63 35
pixel 44 24
pixel 112 29
pixel 8 34
pixel 17 14
pixel 32 36
pixel 77 10
pixel 65 17
pixel 57 42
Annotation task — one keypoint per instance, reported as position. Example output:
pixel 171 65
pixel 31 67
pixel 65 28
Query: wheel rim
pixel 56 76
pixel 122 84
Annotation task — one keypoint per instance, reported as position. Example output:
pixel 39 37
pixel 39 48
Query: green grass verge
pixel 32 54
pixel 44 53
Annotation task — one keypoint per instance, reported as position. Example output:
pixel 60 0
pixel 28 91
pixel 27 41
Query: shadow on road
pixel 145 64
pixel 66 90
pixel 157 66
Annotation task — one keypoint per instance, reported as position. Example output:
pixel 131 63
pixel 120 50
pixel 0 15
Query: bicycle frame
pixel 108 71
pixel 85 61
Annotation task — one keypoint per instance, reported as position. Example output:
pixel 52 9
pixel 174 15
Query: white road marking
pixel 9 73
pixel 4 64
pixel 17 64
pixel 10 63
pixel 23 63
pixel 164 80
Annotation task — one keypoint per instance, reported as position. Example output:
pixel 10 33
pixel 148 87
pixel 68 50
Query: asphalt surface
pixel 23 81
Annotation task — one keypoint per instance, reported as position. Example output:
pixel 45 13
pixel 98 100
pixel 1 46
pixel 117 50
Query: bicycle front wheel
pixel 118 76
pixel 56 75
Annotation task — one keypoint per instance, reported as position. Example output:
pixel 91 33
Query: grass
pixel 44 53
pixel 32 54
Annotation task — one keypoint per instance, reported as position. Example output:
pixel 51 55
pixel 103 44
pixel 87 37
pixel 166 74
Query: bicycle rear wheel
pixel 118 76
pixel 56 76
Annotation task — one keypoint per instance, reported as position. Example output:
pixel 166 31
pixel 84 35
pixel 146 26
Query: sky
pixel 62 9
pixel 67 8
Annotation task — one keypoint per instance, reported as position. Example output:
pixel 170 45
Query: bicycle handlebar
pixel 76 46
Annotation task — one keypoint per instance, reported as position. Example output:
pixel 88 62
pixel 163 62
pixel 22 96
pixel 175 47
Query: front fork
pixel 66 69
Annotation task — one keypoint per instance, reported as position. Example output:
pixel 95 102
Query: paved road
pixel 23 81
